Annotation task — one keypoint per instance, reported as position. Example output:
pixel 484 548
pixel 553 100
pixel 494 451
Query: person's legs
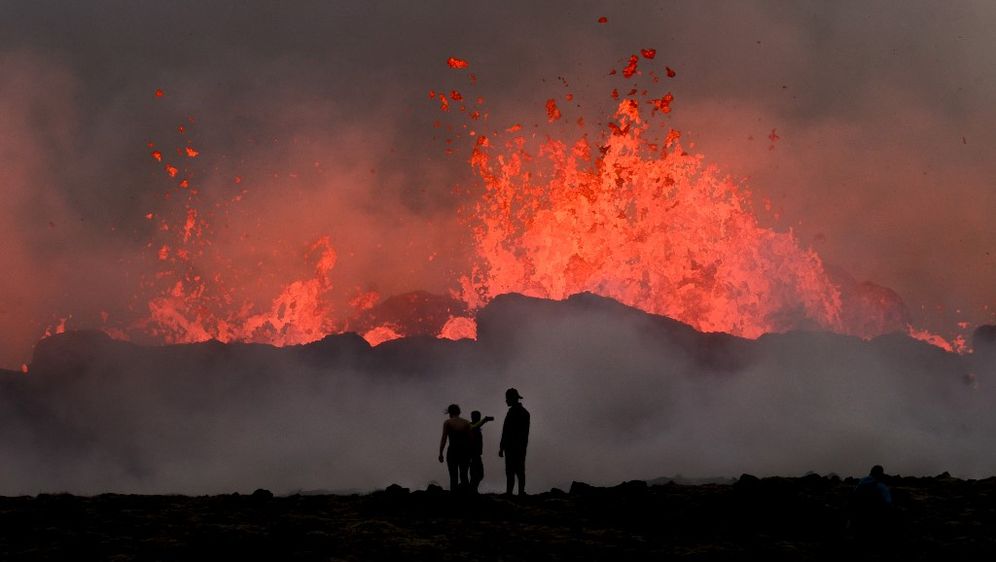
pixel 509 474
pixel 476 472
pixel 464 468
pixel 520 472
pixel 452 465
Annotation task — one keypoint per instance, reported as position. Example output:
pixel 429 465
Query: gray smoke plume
pixel 614 394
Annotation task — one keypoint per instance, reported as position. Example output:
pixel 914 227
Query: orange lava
pixel 552 112
pixel 622 211
pixel 630 69
pixel 458 328
pixel 634 217
pixel 955 345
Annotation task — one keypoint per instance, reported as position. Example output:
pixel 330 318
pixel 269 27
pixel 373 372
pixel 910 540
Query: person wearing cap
pixel 514 439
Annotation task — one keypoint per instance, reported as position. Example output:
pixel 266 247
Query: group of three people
pixel 466 446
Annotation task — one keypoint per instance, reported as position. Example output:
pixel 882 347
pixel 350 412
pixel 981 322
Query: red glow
pixel 159 93
pixel 621 210
pixel 456 63
pixel 603 19
pixel 957 345
pixel 670 73
pixel 380 335
pixel 459 327
pixel 24 368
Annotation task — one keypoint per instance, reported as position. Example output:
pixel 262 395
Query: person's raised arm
pixel 442 443
pixel 479 423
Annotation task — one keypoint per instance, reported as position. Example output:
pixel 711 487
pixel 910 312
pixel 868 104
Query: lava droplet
pixel 630 69
pixel 552 111
pixel 648 53
pixel 603 19
pixel 456 63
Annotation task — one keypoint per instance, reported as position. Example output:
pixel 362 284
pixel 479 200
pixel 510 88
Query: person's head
pixel 475 416
pixel 877 472
pixel 453 410
pixel 512 397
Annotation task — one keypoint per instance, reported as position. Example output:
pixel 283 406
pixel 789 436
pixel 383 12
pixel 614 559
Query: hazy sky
pixel 883 110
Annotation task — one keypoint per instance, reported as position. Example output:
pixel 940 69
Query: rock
pixel 262 494
pixel 581 489
pixel 747 483
pixel 631 487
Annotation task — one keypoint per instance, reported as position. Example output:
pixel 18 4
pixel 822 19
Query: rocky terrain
pixel 939 518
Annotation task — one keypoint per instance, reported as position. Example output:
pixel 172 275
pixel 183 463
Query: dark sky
pixel 883 110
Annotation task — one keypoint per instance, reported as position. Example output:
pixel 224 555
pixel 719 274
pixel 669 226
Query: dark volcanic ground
pixel 939 518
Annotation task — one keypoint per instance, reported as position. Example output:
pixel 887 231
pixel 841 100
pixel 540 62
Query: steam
pixel 614 394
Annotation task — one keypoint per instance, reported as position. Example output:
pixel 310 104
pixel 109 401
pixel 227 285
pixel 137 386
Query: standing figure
pixel 459 433
pixel 477 449
pixel 514 439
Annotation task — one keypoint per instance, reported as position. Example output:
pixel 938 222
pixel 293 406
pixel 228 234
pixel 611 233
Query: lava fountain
pixel 620 210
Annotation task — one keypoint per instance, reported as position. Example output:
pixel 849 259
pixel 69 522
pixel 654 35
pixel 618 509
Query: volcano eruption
pixel 613 205
pixel 315 182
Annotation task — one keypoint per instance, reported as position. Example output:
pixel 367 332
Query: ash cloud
pixel 614 394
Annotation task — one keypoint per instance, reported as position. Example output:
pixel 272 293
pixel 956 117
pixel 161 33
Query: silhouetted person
pixel 514 439
pixel 459 433
pixel 871 507
pixel 477 449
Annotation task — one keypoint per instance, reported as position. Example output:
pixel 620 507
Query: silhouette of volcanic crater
pixel 615 394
